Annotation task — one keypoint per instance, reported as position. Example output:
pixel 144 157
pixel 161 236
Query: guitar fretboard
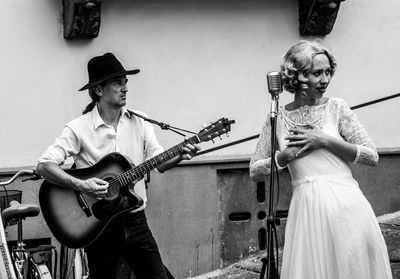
pixel 149 165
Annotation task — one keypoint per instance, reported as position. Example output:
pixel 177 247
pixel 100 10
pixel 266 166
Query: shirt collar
pixel 125 112
pixel 98 121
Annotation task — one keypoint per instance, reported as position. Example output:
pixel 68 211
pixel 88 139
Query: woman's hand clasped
pixel 303 140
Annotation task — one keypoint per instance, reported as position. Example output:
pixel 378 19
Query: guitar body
pixel 76 219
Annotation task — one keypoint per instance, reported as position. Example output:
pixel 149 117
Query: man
pixel 107 126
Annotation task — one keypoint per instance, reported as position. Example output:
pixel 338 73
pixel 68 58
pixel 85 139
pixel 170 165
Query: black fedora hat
pixel 101 68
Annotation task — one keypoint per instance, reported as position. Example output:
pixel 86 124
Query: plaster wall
pixel 198 60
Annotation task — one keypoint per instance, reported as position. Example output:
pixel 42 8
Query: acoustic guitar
pixel 77 219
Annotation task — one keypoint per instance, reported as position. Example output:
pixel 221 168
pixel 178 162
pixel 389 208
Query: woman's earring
pixel 303 88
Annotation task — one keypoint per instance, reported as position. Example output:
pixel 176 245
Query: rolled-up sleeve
pixel 66 145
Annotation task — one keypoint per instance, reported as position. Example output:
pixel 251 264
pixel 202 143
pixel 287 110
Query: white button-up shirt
pixel 88 139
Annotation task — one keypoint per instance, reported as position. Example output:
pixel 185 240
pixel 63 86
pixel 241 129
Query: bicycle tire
pixel 38 271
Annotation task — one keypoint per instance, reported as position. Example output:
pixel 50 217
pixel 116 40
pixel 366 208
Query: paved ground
pixel 250 268
pixel 246 269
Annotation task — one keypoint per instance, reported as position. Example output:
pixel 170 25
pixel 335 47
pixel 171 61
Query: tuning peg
pixel 227 134
pixel 205 125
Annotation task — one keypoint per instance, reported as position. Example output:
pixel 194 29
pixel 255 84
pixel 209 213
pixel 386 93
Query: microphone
pixel 274 80
pixel 274 83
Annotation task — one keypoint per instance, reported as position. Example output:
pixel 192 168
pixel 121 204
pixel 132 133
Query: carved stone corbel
pixel 81 18
pixel 317 17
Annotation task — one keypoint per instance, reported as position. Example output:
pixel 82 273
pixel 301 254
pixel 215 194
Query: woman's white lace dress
pixel 331 231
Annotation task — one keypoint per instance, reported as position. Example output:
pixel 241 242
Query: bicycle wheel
pixel 38 271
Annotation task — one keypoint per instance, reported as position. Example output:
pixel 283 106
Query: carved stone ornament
pixel 317 17
pixel 81 18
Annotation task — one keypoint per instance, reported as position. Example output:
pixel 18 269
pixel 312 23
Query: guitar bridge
pixel 83 204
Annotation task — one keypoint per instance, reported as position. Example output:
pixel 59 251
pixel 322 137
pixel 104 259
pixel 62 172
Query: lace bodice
pixel 334 117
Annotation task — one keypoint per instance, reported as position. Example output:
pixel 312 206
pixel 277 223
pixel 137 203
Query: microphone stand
pixel 269 263
pixel 162 125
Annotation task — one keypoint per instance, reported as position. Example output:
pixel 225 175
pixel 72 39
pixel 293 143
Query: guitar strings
pixel 133 174
pixel 138 171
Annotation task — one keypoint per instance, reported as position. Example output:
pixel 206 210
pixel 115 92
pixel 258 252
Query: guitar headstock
pixel 215 129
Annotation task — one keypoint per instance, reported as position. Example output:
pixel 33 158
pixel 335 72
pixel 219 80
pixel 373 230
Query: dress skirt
pixel 332 232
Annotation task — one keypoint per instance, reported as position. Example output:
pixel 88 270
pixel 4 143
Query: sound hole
pixel 113 189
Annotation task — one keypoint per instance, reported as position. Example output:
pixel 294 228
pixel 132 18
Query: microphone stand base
pixel 274 271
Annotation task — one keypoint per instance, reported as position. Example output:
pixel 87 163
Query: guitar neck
pixel 149 165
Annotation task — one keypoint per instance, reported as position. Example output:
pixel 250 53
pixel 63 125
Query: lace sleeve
pixel 353 132
pixel 260 163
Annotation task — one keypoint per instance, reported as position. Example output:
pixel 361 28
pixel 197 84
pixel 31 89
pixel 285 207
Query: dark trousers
pixel 129 237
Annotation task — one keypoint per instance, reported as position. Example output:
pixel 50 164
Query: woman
pixel 331 230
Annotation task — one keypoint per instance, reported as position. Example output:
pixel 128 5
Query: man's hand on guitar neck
pixel 94 187
pixel 189 151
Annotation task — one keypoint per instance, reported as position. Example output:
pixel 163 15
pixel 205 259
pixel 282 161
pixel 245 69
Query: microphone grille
pixel 274 82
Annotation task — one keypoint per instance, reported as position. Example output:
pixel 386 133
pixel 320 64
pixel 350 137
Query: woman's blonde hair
pixel 297 63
